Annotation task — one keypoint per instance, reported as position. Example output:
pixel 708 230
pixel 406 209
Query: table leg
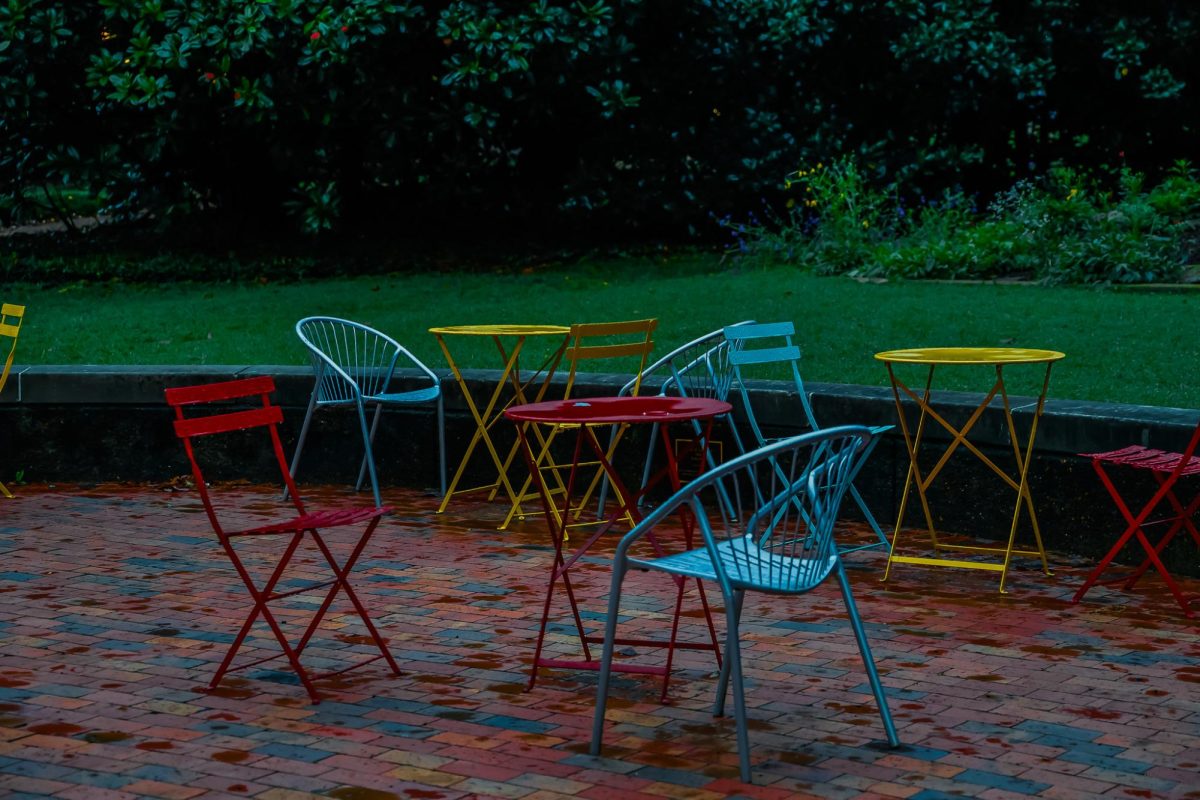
pixel 912 444
pixel 547 370
pixel 1023 462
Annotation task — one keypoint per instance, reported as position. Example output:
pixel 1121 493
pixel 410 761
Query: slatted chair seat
pixel 746 564
pixel 1140 457
pixel 315 519
pixel 1168 469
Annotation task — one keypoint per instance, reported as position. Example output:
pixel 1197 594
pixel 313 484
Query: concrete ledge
pixel 105 423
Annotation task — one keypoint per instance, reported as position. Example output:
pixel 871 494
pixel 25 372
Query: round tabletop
pixel 970 355
pixel 612 410
pixel 500 330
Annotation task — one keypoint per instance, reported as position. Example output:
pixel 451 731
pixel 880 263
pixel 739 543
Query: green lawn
pixel 1120 346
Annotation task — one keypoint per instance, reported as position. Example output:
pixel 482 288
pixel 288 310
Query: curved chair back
pixel 700 368
pixel 767 517
pixel 354 364
pixel 351 360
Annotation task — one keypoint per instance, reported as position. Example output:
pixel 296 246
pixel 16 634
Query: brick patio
pixel 116 603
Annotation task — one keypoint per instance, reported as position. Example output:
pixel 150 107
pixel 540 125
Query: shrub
pixel 598 116
pixel 1064 229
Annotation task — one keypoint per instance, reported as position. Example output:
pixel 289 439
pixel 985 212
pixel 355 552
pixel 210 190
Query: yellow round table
pixel 509 341
pixel 997 358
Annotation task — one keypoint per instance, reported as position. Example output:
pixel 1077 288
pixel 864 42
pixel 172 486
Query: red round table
pixel 583 415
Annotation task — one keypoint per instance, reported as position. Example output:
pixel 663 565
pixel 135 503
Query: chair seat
pixel 329 518
pixel 426 395
pixel 747 565
pixel 1140 457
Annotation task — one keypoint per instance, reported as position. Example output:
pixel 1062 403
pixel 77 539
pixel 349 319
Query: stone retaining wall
pixel 95 424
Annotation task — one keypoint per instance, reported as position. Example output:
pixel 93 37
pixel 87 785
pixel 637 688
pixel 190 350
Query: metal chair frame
pixel 1167 469
pixel 301 525
pixel 700 368
pixel 11 317
pixel 354 365
pixel 780 350
pixel 777 538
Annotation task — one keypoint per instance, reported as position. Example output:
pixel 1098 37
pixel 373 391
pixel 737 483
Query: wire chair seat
pixel 747 565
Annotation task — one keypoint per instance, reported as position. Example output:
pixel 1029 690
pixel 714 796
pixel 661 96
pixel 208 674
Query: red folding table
pixel 584 416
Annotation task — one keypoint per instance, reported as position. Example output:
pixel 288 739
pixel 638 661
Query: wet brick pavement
pixel 116 604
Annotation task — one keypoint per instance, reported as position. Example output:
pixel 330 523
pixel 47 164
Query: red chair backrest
pixel 266 416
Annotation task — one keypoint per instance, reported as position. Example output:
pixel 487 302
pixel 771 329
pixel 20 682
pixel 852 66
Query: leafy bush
pixel 1066 228
pixel 599 116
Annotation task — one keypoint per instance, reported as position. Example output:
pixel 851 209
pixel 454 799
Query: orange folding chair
pixel 629 344
pixel 1168 471
pixel 10 325
pixel 290 532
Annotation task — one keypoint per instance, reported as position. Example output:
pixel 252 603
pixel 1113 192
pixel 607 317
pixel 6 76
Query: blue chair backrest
pixel 762 351
pixel 767 517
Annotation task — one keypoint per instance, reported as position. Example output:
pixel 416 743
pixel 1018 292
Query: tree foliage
pixel 610 115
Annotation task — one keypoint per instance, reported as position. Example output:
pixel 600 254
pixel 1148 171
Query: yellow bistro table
pixel 997 358
pixel 509 341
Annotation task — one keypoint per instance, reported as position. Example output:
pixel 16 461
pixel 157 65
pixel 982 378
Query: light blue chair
pixel 699 368
pixel 777 538
pixel 766 351
pixel 354 365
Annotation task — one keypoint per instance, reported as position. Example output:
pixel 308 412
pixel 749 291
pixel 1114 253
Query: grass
pixel 1120 346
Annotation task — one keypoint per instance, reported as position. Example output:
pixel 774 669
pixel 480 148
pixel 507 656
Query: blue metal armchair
pixel 776 537
pixel 354 365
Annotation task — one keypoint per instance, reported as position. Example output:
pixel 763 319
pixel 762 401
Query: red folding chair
pixel 291 531
pixel 1167 469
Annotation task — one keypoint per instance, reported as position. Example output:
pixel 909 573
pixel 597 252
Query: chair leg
pixel 862 505
pixel 864 649
pixel 362 467
pixel 733 657
pixel 308 415
pixel 734 602
pixel 610 634
pixel 368 458
pixel 870 519
pixel 441 423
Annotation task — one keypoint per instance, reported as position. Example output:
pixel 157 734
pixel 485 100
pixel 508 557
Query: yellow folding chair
pixel 10 325
pixel 588 343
